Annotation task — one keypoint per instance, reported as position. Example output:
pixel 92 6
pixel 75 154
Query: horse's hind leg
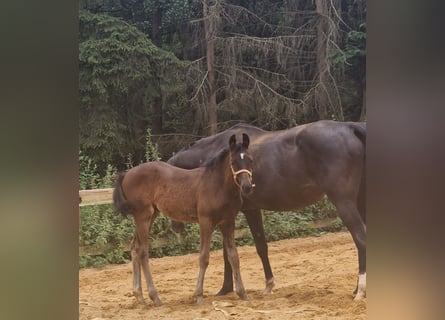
pixel 228 232
pixel 143 223
pixel 255 221
pixel 228 276
pixel 349 213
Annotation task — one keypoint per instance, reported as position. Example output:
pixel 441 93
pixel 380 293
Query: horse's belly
pixel 279 200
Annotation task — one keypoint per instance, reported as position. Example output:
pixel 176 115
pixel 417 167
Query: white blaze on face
pixel 242 156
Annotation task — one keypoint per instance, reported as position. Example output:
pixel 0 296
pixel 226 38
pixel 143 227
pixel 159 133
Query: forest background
pixel 156 75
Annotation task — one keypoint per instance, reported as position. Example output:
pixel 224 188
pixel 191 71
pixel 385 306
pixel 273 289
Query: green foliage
pixel 151 149
pixel 280 225
pixel 101 227
pixel 121 73
pixel 88 176
pixel 319 210
pixel 104 230
pixel 355 46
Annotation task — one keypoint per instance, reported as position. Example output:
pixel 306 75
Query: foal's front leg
pixel 205 232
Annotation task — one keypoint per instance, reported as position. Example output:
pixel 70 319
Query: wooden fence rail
pixel 96 196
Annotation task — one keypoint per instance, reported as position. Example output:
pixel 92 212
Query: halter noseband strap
pixel 236 173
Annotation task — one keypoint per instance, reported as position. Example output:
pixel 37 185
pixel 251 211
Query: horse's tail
pixel 119 201
pixel 359 129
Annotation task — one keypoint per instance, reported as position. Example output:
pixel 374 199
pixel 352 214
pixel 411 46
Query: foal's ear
pixel 232 142
pixel 246 140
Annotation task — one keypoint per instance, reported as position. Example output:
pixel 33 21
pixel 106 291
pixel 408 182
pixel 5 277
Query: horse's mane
pixel 245 126
pixel 216 160
pixel 173 157
pixel 211 143
pixel 236 126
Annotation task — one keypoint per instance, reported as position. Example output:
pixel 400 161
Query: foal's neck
pixel 222 174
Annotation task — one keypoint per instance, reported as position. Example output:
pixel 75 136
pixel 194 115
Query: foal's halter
pixel 236 173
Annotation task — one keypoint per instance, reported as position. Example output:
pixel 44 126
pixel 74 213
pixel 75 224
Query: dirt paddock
pixel 314 278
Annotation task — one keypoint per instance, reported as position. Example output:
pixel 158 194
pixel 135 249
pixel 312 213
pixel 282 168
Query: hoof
pixel 153 294
pixel 359 296
pixel 224 291
pixel 157 302
pixel 243 296
pixel 139 297
pixel 199 301
pixel 360 291
pixel 270 284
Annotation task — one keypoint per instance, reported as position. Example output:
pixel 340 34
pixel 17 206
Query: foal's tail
pixel 119 201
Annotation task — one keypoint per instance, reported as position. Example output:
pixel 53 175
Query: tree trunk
pixel 156 38
pixel 209 29
pixel 321 94
pixel 156 19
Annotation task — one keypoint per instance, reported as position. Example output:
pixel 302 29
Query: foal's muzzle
pixel 246 186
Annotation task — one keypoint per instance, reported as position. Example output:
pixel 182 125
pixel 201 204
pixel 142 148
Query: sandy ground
pixel 314 278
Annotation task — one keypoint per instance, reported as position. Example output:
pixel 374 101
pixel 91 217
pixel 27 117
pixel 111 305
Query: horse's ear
pixel 232 142
pixel 246 140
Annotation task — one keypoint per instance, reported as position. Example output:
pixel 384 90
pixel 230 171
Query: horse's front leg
pixel 255 221
pixel 228 232
pixel 143 226
pixel 205 232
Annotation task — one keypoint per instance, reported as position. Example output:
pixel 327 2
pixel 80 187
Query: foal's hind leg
pixel 205 232
pixel 136 261
pixel 228 232
pixel 143 223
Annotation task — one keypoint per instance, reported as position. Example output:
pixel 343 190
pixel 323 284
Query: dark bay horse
pixel 209 195
pixel 294 168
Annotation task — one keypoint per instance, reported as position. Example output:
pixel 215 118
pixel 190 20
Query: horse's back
pixel 295 167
